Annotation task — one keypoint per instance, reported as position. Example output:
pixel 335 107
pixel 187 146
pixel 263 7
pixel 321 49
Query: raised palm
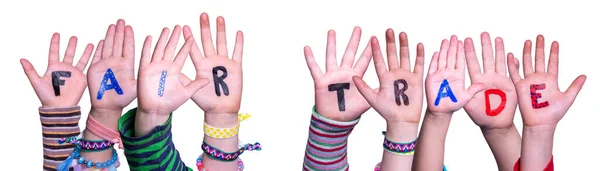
pixel 553 104
pixel 69 82
pixel 115 53
pixel 499 113
pixel 447 74
pixel 160 89
pixel 393 101
pixel 218 97
pixel 337 81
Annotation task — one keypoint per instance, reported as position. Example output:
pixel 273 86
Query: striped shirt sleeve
pixel 58 123
pixel 326 146
pixel 152 152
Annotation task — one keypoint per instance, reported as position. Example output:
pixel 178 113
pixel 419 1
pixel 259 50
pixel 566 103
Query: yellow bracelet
pixel 223 133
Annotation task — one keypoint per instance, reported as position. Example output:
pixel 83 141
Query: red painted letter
pixel 534 96
pixel 500 107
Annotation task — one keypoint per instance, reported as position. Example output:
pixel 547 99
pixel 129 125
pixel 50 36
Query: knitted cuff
pixel 58 123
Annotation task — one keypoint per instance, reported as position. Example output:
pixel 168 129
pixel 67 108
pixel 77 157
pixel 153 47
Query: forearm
pixel 58 123
pixel 429 152
pixel 108 119
pixel 326 146
pixel 505 145
pixel 537 147
pixel 224 144
pixel 403 133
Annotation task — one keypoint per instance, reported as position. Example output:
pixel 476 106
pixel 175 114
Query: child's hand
pixel 111 74
pixel 495 107
pixel 224 93
pixel 445 82
pixel 63 84
pixel 160 89
pixel 336 97
pixel 400 96
pixel 540 100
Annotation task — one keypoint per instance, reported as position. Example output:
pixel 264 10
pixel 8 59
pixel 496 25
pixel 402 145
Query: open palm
pixel 447 69
pixel 337 81
pixel 115 53
pixel 393 101
pixel 496 115
pixel 72 77
pixel 218 97
pixel 553 104
pixel 160 89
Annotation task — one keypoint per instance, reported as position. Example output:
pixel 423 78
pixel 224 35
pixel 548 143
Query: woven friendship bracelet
pixel 87 145
pixel 223 133
pixel 103 132
pixel 215 153
pixel 399 148
pixel 200 166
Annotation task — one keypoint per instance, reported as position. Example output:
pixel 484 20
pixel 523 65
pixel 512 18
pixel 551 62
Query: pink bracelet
pixel 101 131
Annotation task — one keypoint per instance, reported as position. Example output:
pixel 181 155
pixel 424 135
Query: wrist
pixel 106 117
pixel 146 121
pixel 539 132
pixel 221 120
pixel 401 131
pixel 499 131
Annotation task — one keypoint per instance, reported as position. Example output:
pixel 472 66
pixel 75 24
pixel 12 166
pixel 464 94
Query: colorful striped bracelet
pixel 87 145
pixel 217 154
pixel 399 148
pixel 201 166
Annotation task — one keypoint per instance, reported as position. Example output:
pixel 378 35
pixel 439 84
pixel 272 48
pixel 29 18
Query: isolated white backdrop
pixel 278 89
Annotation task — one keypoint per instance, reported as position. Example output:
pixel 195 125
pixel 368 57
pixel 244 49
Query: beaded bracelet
pixel 79 162
pixel 87 145
pixel 399 148
pixel 378 167
pixel 201 166
pixel 223 133
pixel 217 154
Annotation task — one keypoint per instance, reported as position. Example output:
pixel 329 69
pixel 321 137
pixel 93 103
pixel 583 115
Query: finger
pixel 404 52
pixel 238 49
pixel 330 52
pixel 443 54
pixel 98 52
pixel 474 89
pixel 184 52
pixel 159 49
pixel 452 51
pixel 195 85
pixel 365 90
pixel 365 58
pixel 460 59
pixel 109 41
pixel 146 48
pixel 392 56
pixel 433 65
pixel 471 57
pixel 70 52
pixel 83 61
pixel 500 56
pixel 315 71
pixel 172 44
pixel 378 61
pixel 205 36
pixel 195 51
pixel 221 37
pixel 527 65
pixel 129 44
pixel 184 80
pixel 351 48
pixel 540 61
pixel 119 37
pixel 53 54
pixel 420 61
pixel 487 55
pixel 575 87
pixel 29 70
pixel 553 61
pixel 513 68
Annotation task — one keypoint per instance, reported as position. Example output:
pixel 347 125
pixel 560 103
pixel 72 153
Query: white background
pixel 278 89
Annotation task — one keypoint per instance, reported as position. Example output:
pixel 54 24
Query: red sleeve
pixel 549 167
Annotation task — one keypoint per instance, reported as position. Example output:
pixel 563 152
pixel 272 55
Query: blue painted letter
pixel 441 94
pixel 161 84
pixel 109 75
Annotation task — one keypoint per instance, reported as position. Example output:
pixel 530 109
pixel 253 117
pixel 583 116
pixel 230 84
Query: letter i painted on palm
pixel 447 93
pixel 161 85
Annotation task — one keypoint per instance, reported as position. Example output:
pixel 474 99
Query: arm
pixel 541 103
pixel 446 93
pixel 399 99
pixel 493 110
pixel 338 104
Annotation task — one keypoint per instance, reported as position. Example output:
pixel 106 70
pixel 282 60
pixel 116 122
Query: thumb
pixel 575 87
pixel 185 80
pixel 31 73
pixel 474 89
pixel 195 85
pixel 364 89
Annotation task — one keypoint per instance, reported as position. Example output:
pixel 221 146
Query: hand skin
pixel 402 120
pixel 219 111
pixel 539 124
pixel 499 130
pixel 448 64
